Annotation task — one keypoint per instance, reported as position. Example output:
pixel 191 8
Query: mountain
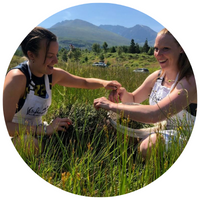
pixel 83 34
pixel 115 29
pixel 79 31
pixel 139 33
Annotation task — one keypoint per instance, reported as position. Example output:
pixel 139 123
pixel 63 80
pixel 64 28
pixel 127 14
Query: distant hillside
pixel 83 34
pixel 115 29
pixel 139 33
pixel 79 31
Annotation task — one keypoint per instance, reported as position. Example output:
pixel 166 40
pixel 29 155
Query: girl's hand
pixel 111 85
pixel 114 96
pixel 120 95
pixel 102 103
pixel 58 124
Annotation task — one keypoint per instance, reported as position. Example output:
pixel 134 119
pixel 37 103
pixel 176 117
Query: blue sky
pixel 103 14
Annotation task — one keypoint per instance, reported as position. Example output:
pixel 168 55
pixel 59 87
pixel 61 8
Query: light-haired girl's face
pixel 167 51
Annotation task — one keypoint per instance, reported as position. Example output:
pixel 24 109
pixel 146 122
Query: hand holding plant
pixel 120 95
pixel 111 85
pixel 102 103
pixel 58 124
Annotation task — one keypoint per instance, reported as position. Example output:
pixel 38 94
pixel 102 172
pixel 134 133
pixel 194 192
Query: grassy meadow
pixel 96 160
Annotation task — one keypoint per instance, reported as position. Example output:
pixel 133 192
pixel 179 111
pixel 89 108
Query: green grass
pixel 97 160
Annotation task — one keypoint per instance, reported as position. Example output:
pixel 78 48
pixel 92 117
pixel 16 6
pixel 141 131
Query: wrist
pixel 112 106
pixel 40 129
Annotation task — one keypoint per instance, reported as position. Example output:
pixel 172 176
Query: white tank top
pixel 158 93
pixel 34 106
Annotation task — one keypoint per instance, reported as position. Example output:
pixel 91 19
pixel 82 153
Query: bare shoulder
pixel 15 74
pixel 152 78
pixel 188 82
pixel 189 86
pixel 155 74
pixel 15 81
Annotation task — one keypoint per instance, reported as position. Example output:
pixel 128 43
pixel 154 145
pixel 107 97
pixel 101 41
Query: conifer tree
pixel 146 47
pixel 132 47
pixel 105 46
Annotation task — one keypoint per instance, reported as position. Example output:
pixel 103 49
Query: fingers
pixel 61 124
pixel 96 103
pixel 113 85
pixel 113 96
pixel 102 103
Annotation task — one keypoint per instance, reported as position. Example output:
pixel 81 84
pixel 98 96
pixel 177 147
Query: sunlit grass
pixel 97 160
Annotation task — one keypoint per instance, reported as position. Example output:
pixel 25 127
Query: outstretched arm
pixel 139 95
pixel 66 79
pixel 184 94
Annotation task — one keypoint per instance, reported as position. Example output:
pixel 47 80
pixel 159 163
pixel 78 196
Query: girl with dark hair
pixel 27 88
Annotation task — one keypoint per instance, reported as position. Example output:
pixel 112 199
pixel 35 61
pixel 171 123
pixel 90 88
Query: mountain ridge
pixel 80 31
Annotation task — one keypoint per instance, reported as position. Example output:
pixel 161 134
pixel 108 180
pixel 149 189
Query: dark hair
pixel 32 41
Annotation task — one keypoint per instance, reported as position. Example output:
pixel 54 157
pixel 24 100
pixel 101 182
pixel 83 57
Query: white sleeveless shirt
pixel 34 106
pixel 158 93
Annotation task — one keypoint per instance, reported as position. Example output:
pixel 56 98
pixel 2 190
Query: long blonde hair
pixel 184 66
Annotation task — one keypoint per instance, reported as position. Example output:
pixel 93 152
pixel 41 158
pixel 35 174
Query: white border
pixel 19 17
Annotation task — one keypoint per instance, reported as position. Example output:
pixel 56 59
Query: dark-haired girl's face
pixel 45 66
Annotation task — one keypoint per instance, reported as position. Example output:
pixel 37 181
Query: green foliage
pixel 132 48
pixel 145 47
pixel 105 47
pixel 101 57
pixel 19 52
pixel 96 48
pixel 113 50
pixel 151 51
pixel 91 158
pixel 63 54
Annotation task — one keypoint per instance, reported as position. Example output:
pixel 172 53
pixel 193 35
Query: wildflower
pixel 89 145
pixel 68 175
pixel 165 165
pixel 128 119
pixel 180 128
pixel 84 190
pixel 50 178
pixel 133 168
pixel 127 138
pixel 64 178
pixel 105 128
pixel 78 175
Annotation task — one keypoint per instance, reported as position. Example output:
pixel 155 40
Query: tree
pixel 146 47
pixel 101 57
pixel 112 50
pixel 76 54
pixel 132 47
pixel 86 59
pixel 96 48
pixel 151 51
pixel 63 54
pixel 137 48
pixel 105 46
pixel 125 49
pixel 119 50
